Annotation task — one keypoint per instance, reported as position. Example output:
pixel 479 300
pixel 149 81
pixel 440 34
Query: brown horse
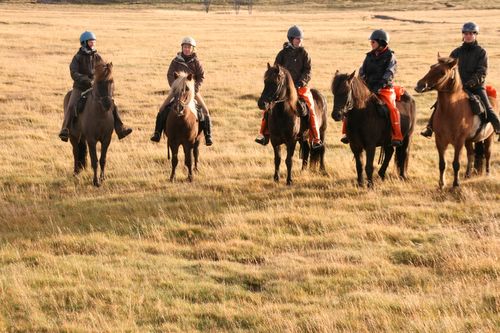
pixel 368 127
pixel 95 123
pixel 453 122
pixel 182 125
pixel 279 97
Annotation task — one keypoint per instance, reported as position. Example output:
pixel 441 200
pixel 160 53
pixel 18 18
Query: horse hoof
pixel 97 184
pixel 289 182
pixel 276 179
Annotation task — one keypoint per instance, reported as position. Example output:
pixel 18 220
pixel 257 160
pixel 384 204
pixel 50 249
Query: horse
pixel 95 123
pixel 182 124
pixel 453 122
pixel 279 97
pixel 368 127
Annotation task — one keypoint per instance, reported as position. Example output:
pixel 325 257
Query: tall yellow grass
pixel 232 251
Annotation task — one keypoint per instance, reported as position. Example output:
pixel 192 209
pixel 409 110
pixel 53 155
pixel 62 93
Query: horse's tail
pixel 479 150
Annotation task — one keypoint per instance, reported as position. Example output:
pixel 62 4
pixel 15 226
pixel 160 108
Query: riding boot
pixel 120 129
pixel 207 130
pixel 344 139
pixel 313 129
pixel 263 137
pixel 427 132
pixel 161 118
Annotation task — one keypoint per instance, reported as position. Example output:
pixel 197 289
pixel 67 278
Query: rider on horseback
pixel 185 61
pixel 473 67
pixel 82 72
pixel 296 60
pixel 378 71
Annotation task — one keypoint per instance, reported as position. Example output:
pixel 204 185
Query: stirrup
pixel 124 131
pixel 396 143
pixel 316 144
pixel 156 137
pixel 427 132
pixel 262 139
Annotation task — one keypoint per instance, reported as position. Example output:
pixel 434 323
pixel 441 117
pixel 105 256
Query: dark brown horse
pixel 453 122
pixel 95 123
pixel 182 125
pixel 368 127
pixel 279 97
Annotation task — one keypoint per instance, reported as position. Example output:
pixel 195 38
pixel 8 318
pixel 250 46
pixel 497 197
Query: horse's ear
pixel 439 55
pixel 268 66
pixel 189 77
pixel 110 65
pixel 351 76
pixel 337 72
pixel 176 75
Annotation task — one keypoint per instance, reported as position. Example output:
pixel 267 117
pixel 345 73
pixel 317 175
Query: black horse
pixel 368 126
pixel 279 97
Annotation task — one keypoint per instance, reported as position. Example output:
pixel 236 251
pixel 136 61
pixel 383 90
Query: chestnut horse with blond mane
pixel 182 124
pixel 453 122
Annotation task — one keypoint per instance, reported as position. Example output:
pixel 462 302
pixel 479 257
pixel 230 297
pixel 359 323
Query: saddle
pixel 80 105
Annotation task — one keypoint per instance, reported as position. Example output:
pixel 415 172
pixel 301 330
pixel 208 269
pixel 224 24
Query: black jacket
pixel 297 61
pixel 472 64
pixel 82 69
pixel 378 69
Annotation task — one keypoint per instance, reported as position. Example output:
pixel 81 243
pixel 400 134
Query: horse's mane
pixel 457 82
pixel 291 92
pixel 103 72
pixel 178 85
pixel 360 92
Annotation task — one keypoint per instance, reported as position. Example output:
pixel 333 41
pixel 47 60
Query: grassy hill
pixel 232 251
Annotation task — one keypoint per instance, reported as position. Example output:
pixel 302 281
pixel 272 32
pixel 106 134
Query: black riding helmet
pixel 380 36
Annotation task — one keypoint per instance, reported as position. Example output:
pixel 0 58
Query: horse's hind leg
pixel 175 159
pixel 102 159
pixel 188 160
pixel 359 165
pixel 277 162
pixel 388 152
pixel 93 161
pixel 487 152
pixel 196 154
pixel 304 145
pixel 289 161
pixel 469 147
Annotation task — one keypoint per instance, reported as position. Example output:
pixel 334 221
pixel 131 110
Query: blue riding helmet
pixel 87 35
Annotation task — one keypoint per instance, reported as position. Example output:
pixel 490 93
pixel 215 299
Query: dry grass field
pixel 232 251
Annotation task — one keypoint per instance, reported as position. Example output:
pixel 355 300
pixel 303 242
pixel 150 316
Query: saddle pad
pixel 399 92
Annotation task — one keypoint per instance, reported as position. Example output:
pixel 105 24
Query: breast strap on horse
pixel 80 105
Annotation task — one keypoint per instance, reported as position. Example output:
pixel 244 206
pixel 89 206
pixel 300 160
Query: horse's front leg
pixel 102 159
pixel 188 160
pixel 277 162
pixel 388 152
pixel 456 164
pixel 174 148
pixel 469 147
pixel 290 149
pixel 93 161
pixel 357 151
pixel 370 155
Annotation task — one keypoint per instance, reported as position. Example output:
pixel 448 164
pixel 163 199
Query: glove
pixel 299 84
pixel 470 84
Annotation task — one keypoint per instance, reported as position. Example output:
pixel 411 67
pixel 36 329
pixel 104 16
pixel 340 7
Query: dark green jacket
pixel 472 64
pixel 297 61
pixel 378 69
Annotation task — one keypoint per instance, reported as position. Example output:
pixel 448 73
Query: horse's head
pixel 104 84
pixel 277 84
pixel 441 76
pixel 342 88
pixel 182 91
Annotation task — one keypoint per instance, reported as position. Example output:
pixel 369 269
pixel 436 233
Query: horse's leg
pixel 487 152
pixel 370 155
pixel 174 148
pixel 76 161
pixel 441 148
pixel 305 153
pixel 277 161
pixel 469 147
pixel 388 152
pixel 290 150
pixel 196 154
pixel 102 159
pixel 93 161
pixel 359 164
pixel 322 167
pixel 456 163
pixel 188 160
